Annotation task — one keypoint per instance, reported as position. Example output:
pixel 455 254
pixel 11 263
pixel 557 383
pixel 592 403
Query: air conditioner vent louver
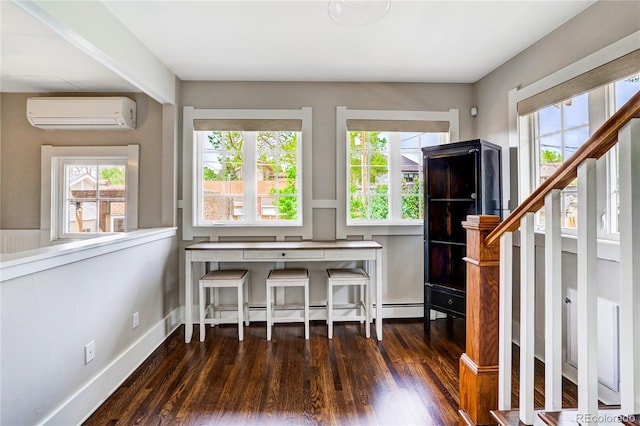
pixel 76 113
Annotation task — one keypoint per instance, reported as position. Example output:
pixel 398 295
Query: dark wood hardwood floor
pixel 408 378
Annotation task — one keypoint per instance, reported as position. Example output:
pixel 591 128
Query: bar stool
pixel 225 278
pixel 287 278
pixel 349 277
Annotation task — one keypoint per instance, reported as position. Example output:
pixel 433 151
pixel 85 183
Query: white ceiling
pixel 417 41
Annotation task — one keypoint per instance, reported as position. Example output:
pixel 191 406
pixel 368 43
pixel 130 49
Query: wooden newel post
pixel 479 364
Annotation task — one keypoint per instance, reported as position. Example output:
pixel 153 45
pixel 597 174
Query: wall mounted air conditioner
pixel 76 113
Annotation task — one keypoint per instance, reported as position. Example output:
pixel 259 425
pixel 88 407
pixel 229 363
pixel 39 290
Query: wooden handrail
pixel 595 147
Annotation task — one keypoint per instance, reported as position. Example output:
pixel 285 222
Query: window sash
pixel 395 196
pixel 251 194
pixel 65 198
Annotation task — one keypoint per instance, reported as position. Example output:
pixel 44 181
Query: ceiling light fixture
pixel 358 12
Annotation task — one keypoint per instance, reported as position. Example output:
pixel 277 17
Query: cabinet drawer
pixel 283 254
pixel 447 302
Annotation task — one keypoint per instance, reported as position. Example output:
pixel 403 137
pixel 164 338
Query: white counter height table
pixel 369 252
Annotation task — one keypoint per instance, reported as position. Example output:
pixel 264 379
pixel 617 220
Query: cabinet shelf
pixel 448 243
pixel 453 200
pixel 460 179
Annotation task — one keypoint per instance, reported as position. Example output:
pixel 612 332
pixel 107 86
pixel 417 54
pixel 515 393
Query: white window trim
pixel 50 181
pixel 303 228
pixel 519 138
pixel 343 229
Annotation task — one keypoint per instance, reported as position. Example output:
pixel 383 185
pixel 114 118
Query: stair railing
pixel 485 367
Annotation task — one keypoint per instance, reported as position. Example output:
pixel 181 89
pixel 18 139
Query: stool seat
pixel 287 278
pixel 225 274
pixel 348 277
pixel 354 273
pixel 224 278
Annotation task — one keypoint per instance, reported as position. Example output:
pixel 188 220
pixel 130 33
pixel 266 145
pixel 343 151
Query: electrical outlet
pixel 136 319
pixel 89 351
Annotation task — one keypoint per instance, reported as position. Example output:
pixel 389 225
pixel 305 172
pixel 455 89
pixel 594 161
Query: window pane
pixel 222 176
pixel 114 216
pixel 368 175
pixel 82 181
pixel 412 207
pixel 569 206
pixel 357 204
pixel 277 176
pixel 626 88
pixel 576 111
pixel 549 120
pixel 378 207
pixel 112 182
pixel 81 217
pixel 574 139
pixel 411 183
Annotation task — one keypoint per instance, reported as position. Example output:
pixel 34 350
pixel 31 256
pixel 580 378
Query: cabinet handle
pixel 283 254
pixel 450 301
pixel 471 151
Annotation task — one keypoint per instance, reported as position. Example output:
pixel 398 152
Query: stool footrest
pixel 287 319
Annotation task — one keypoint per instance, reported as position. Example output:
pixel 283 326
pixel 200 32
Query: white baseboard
pixel 405 310
pixel 79 406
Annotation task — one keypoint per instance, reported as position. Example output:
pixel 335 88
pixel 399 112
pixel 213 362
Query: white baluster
pixel 527 317
pixel 506 312
pixel 587 289
pixel 553 302
pixel 629 145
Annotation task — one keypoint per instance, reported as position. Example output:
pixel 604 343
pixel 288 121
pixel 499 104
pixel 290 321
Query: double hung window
pixel 89 190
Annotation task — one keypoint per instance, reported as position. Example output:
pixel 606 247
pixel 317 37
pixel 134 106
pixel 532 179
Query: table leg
pixel 188 298
pixel 378 284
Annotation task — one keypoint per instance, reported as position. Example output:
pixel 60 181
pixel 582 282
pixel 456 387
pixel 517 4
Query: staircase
pixel 485 367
